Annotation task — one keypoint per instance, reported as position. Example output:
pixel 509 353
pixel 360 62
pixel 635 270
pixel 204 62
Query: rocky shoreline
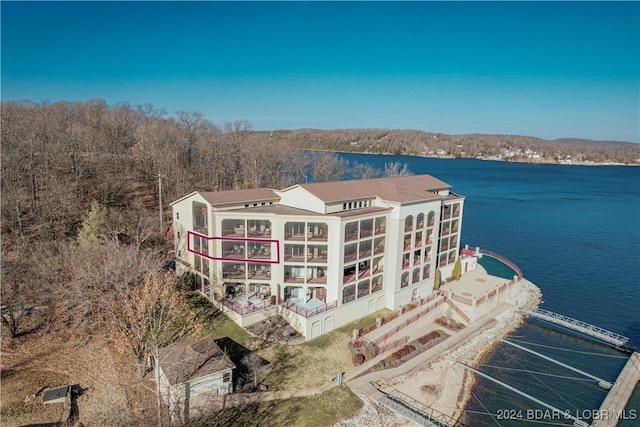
pixel 442 386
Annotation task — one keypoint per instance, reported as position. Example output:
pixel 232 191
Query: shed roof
pixel 182 362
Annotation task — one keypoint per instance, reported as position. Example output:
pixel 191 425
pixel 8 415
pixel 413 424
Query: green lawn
pixel 315 411
pixel 311 364
pixel 288 367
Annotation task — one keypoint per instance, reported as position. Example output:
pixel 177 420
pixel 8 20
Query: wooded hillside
pixel 414 142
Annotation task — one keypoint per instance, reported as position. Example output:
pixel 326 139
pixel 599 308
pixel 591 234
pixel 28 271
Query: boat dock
pixel 612 409
pixel 617 340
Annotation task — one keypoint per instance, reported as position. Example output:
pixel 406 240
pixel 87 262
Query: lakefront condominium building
pixel 322 254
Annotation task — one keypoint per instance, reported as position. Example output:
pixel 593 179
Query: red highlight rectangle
pixel 236 239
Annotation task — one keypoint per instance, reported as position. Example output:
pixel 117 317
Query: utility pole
pixel 160 200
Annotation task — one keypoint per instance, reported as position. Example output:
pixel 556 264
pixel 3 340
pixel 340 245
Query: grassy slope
pixel 308 365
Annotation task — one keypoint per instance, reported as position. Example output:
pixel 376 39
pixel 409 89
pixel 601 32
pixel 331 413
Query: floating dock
pixel 613 409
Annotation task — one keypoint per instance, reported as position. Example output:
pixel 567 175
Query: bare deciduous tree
pixel 396 169
pixel 255 367
pixel 15 307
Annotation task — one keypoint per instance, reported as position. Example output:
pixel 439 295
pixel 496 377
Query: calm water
pixel 575 232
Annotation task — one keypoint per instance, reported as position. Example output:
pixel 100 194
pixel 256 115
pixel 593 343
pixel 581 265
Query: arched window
pixel 420 220
pixel 408 223
pixel 416 276
pixel 404 281
pixel 431 217
pixel 426 271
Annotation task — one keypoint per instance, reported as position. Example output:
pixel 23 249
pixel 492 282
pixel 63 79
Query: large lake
pixel 575 232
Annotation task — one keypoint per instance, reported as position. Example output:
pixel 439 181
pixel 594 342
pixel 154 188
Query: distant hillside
pixel 412 142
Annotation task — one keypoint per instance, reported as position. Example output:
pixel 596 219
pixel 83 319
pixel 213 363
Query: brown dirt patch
pixel 103 373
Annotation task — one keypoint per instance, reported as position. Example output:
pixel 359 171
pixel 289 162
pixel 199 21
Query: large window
pixel 431 219
pixel 259 228
pixel 233 227
pixel 294 231
pixel 317 253
pixel 348 293
pixel 349 273
pixel 351 231
pixel 366 228
pixel 318 231
pixel 408 223
pixel 295 253
pixel 350 252
pixel 416 276
pixel 233 270
pixel 364 288
pixel 365 249
pixel 199 212
pixel 404 280
pixel 376 284
pixel 426 272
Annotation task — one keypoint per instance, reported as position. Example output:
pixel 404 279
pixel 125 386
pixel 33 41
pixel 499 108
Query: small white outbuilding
pixel 190 369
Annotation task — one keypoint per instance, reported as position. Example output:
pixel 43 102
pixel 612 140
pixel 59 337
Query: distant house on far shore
pixel 190 369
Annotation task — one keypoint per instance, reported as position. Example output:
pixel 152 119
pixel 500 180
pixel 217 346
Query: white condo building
pixel 322 254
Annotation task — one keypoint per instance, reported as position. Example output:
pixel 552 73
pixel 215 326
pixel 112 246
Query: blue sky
pixel 546 69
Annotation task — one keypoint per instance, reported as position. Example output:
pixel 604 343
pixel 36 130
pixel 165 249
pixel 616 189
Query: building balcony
pixel 263 234
pixel 309 308
pixel 296 237
pixel 318 280
pixel 294 258
pixel 319 237
pixel 259 275
pixel 244 305
pixel 317 258
pixel 292 278
pixel 234 232
pixel 259 254
pixel 234 274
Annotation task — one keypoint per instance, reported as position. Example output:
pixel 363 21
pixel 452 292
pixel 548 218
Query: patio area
pixel 247 299
pixel 476 283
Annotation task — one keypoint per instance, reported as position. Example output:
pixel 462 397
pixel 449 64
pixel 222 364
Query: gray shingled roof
pixel 182 362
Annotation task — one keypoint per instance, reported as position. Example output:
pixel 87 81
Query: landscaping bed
pixel 410 350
